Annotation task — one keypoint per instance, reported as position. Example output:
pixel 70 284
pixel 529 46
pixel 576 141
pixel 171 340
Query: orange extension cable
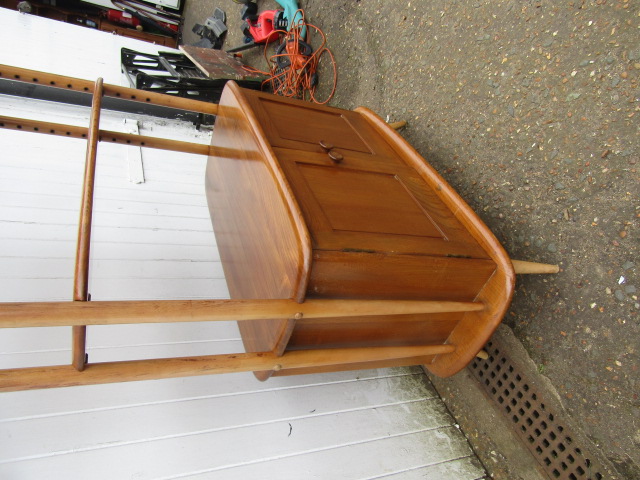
pixel 299 78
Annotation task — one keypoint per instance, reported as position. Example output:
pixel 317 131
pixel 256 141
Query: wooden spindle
pixel 81 272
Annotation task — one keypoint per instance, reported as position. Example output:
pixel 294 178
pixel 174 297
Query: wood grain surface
pixel 263 240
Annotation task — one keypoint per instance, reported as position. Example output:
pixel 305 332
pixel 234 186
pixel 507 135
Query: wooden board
pixel 217 64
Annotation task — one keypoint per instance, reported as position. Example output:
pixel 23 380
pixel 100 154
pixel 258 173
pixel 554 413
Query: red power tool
pixel 259 27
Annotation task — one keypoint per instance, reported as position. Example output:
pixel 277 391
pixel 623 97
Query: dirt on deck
pixel 531 111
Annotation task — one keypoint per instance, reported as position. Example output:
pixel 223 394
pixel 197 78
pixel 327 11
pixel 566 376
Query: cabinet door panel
pixel 372 204
pixel 364 201
pixel 303 126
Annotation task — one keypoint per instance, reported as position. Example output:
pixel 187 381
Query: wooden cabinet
pixel 317 202
pixel 364 205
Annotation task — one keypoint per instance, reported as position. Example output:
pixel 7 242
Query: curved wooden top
pixel 474 329
pixel 263 240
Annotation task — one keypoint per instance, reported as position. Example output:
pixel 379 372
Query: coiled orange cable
pixel 299 79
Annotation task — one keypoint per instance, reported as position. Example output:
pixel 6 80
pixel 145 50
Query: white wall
pixel 37 43
pixel 154 240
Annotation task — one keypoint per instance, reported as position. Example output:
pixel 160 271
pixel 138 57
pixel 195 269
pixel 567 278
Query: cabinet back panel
pixel 392 330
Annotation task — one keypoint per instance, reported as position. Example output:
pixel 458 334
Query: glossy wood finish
pixel 353 274
pixel 301 126
pixel 378 331
pixel 389 363
pixel 263 240
pixel 81 272
pixel 374 203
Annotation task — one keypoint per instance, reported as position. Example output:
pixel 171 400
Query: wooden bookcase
pixel 342 247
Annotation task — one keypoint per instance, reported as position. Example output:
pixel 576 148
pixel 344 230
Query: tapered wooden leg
pixel 520 266
pixel 482 354
pixel 398 125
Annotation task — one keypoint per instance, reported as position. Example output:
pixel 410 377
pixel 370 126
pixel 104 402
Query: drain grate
pixel 550 440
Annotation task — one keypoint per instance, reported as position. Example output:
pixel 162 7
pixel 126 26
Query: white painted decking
pixel 370 424
pixel 154 240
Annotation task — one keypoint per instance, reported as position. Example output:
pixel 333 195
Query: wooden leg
pixel 482 354
pixel 398 125
pixel 520 266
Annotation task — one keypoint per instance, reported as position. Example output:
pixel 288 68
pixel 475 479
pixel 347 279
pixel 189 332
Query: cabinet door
pixel 304 126
pixel 372 203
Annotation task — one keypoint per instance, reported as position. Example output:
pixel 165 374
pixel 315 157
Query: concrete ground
pixel 530 109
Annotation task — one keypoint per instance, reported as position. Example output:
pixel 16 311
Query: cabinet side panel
pixel 475 328
pixel 264 255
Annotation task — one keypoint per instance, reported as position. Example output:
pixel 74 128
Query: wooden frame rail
pixel 85 86
pixel 72 131
pixel 93 135
pixel 65 376
pixel 59 314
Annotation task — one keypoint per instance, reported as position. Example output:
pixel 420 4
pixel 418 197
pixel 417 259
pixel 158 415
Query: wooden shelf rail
pixel 79 313
pixel 72 131
pixel 66 376
pixel 85 86
pixel 58 314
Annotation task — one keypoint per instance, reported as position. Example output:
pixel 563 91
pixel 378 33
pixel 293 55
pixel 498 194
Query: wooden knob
pixel 326 146
pixel 335 156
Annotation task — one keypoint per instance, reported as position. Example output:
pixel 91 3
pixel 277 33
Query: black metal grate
pixel 550 440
